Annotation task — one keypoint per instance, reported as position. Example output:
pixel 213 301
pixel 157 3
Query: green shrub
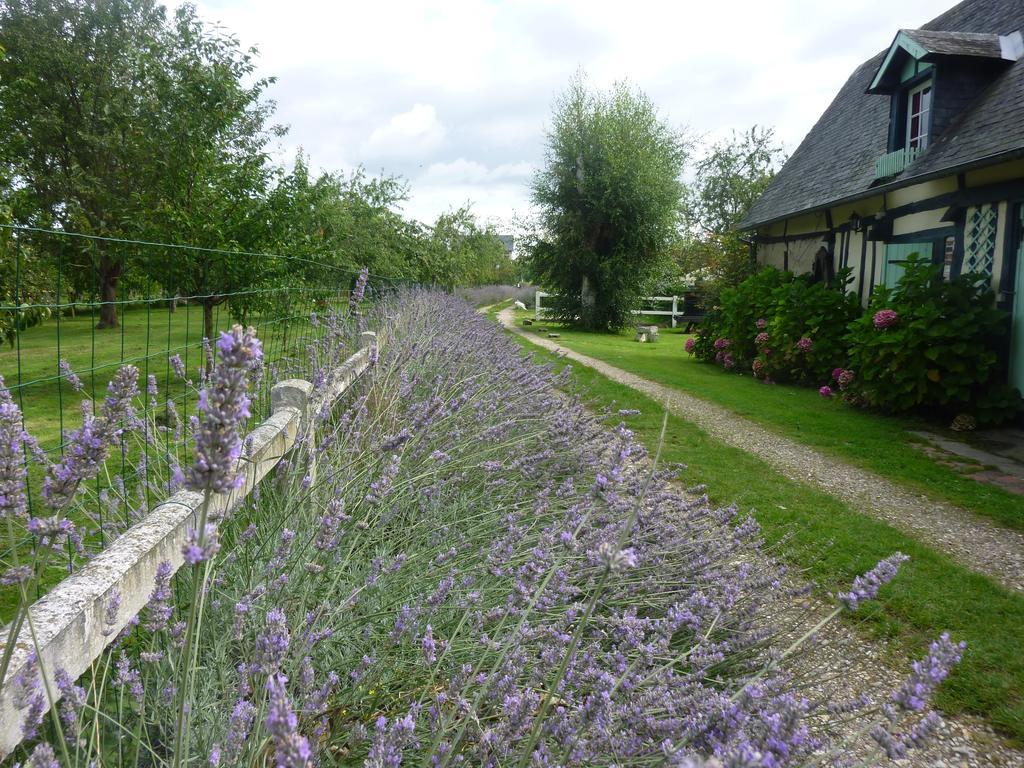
pixel 932 345
pixel 735 320
pixel 784 327
pixel 807 329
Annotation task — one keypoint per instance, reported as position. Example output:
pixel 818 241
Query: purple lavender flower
pixel 224 408
pixel 68 374
pixel 12 457
pixel 72 701
pixel 614 559
pixel 866 587
pixel 198 549
pixel 16 575
pixel 389 742
pixel 43 757
pixel 158 610
pixel 942 656
pixel 272 643
pixel 111 610
pixel 29 696
pixel 291 749
pixel 429 645
pixel 239 725
pixel 178 366
pixel 356 296
pixel 129 677
pixel 87 448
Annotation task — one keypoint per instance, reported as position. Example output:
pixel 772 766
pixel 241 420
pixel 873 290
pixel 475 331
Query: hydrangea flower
pixel 805 344
pixel 690 345
pixel 761 323
pixel 825 391
pixel 885 318
pixel 761 339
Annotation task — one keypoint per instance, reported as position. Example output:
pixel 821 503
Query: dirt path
pixel 962 535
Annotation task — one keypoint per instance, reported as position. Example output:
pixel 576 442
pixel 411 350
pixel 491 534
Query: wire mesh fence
pixel 75 309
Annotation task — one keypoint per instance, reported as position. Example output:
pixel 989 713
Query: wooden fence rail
pixel 68 628
pixel 675 313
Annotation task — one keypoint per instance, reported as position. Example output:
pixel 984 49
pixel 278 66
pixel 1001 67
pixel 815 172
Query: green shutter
pixel 896 254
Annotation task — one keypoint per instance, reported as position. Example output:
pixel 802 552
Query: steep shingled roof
pixel 957 43
pixel 835 162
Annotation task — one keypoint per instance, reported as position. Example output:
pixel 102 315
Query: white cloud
pixel 455 94
pixel 414 133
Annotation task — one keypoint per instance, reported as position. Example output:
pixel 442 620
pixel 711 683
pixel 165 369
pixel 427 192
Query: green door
pixel 896 254
pixel 1017 333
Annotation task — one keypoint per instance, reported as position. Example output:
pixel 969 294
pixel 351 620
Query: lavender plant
pixel 480 572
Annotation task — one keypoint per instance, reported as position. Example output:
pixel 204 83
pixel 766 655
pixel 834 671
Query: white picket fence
pixel 68 626
pixel 674 313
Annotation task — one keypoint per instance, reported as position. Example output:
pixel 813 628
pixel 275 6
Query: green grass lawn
pixel 145 339
pixel 831 543
pixel 876 442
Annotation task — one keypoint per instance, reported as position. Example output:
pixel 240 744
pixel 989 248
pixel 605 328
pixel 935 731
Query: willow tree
pixel 608 196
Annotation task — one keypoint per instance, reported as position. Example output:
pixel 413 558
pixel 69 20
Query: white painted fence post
pixel 536 305
pixel 675 309
pixel 295 394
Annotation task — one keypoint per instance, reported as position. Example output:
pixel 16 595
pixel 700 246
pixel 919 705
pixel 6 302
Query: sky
pixel 456 95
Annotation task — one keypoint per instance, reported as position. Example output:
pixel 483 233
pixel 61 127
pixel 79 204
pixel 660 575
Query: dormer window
pixel 959 64
pixel 919 112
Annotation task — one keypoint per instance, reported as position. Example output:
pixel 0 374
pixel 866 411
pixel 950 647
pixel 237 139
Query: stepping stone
pixel 554 335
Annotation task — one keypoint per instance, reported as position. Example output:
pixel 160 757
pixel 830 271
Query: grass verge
pixel 881 444
pixel 831 543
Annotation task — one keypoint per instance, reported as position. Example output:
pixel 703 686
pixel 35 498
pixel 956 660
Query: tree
pixel 463 253
pixel 70 94
pixel 608 196
pixel 728 179
pixel 209 177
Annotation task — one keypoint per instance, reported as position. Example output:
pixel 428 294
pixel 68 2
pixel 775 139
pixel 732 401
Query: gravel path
pixel 965 537
pixel 838 664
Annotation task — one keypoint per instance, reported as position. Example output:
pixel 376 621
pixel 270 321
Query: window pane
pixel 915 103
pixel 915 127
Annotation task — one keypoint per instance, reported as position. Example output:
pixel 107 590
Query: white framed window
pixel 919 109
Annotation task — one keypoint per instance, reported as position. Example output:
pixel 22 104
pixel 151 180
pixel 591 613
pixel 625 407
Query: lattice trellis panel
pixel 980 239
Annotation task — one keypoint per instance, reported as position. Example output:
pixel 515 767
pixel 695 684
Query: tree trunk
pixel 588 302
pixel 208 305
pixel 108 272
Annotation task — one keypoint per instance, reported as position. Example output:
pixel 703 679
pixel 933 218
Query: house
pixel 922 151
